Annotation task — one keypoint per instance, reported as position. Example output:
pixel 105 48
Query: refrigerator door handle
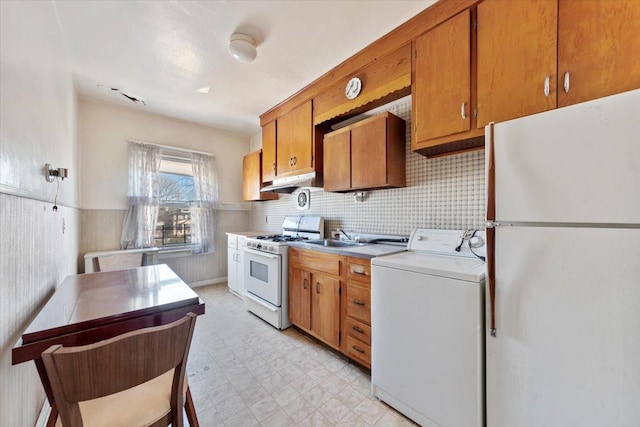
pixel 491 224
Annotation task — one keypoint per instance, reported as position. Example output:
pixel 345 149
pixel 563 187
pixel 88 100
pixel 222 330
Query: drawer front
pixel 357 330
pixel 359 272
pixel 359 351
pixel 359 303
pixel 315 260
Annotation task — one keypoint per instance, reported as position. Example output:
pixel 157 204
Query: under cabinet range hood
pixel 311 180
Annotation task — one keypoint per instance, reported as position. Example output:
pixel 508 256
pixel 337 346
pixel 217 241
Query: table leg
pixel 53 416
pixel 44 378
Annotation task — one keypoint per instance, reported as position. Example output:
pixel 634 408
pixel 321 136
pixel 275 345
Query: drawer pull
pixel 304 284
pixel 356 302
pixel 358 330
pixel 359 350
pixel 358 272
pixel 317 287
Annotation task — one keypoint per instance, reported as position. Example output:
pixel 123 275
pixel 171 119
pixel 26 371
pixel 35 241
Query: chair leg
pixel 191 410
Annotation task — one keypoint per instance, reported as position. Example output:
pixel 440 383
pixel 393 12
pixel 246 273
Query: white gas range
pixel 266 268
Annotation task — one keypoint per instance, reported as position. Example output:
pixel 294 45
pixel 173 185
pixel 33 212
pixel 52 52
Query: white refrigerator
pixel 563 267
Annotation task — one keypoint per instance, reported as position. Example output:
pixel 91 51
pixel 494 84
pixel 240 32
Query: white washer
pixel 427 329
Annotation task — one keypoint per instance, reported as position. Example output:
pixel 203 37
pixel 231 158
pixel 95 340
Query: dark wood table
pixel 87 308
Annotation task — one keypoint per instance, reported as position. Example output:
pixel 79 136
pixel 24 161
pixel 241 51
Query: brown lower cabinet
pixel 314 293
pixel 330 299
pixel 357 311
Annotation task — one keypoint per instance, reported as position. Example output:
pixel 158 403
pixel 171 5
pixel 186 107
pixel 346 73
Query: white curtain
pixel 205 181
pixel 142 216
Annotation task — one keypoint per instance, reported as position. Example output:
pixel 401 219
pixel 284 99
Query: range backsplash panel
pixel 443 193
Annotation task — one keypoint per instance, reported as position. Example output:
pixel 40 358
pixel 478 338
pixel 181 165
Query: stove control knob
pixel 258 246
pixel 270 248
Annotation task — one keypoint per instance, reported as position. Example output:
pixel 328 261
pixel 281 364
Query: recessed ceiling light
pixel 204 89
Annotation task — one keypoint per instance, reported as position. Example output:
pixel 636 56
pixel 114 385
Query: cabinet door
pixel 251 176
pixel 337 161
pixel 300 298
pixel 269 151
pixel 294 140
pixel 517 58
pixel 325 309
pixel 369 154
pixel 442 87
pixel 232 269
pixel 302 137
pixel 599 46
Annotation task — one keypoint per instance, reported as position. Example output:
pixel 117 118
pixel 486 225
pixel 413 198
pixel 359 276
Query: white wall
pixel 105 129
pixel 256 142
pixel 38 247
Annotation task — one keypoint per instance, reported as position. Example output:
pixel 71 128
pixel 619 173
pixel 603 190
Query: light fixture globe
pixel 242 47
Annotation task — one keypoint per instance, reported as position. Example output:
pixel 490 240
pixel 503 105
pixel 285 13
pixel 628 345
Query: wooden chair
pixel 134 379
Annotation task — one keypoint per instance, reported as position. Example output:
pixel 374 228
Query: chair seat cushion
pixel 141 405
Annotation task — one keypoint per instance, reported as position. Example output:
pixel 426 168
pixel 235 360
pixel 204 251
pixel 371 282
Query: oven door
pixel 262 274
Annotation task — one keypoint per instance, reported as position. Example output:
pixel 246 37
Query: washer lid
pixel 461 268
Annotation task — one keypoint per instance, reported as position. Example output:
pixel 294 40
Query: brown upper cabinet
pixel 598 49
pixel 444 88
pixel 516 58
pixel 538 55
pixel 269 151
pixel 469 63
pixel 369 154
pixel 251 178
pixel 294 141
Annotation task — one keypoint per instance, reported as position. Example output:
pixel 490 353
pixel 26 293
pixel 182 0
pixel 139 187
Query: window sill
pixel 173 252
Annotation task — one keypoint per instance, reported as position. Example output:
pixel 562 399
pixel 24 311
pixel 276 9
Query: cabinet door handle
pixel 566 82
pixel 360 273
pixel 317 287
pixel 304 283
pixel 290 161
pixel 546 85
pixel 356 302
pixel 463 111
pixel 359 350
pixel 358 330
pixel 295 160
pixel 273 166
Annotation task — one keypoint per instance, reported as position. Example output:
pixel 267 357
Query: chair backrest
pixel 122 261
pixel 84 373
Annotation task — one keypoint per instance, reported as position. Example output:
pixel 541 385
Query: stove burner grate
pixel 281 238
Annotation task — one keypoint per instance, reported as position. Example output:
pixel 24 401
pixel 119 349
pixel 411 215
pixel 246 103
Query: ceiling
pixel 163 51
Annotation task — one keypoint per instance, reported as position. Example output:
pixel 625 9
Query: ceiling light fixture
pixel 242 47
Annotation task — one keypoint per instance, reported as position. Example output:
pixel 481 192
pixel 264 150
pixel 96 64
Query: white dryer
pixel 427 328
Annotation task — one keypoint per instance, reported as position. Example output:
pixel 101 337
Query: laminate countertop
pixel 366 251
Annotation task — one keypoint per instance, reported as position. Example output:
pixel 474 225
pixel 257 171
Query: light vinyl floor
pixel 243 372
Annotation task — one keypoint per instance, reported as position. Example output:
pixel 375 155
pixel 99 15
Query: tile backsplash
pixel 443 193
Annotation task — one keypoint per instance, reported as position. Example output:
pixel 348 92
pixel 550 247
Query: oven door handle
pixel 262 254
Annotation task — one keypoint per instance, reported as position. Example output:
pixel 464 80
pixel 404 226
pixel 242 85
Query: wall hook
pixel 51 173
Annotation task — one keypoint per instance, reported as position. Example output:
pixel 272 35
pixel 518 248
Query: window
pixel 172 195
pixel 177 192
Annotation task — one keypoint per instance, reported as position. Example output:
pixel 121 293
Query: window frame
pixel 175 165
